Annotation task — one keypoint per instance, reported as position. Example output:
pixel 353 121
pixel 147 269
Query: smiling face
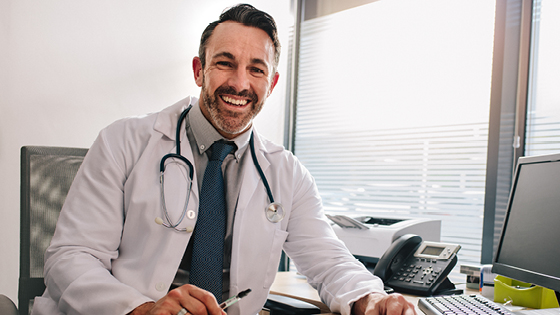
pixel 237 78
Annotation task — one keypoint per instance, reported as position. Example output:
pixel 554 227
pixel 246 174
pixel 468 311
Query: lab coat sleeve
pixel 318 254
pixel 78 262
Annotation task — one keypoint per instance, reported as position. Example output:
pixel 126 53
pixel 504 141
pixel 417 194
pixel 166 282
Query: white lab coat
pixel 108 255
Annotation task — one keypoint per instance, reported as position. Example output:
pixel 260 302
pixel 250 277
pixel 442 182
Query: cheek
pixel 262 88
pixel 213 79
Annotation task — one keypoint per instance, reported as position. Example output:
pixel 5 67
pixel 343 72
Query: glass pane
pixel 543 117
pixel 392 111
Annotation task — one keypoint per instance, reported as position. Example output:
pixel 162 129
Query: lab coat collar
pixel 166 121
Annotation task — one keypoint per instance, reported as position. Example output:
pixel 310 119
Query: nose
pixel 239 80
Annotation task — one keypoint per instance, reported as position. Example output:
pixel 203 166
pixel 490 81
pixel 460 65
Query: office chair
pixel 46 176
pixel 7 307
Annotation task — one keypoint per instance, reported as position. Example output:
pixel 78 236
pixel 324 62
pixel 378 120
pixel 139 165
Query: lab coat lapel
pixel 251 178
pixel 245 219
pixel 166 123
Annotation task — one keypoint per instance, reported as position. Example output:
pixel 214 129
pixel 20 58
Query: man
pixel 108 256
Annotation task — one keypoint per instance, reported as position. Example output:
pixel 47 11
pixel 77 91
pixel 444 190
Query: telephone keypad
pixel 418 272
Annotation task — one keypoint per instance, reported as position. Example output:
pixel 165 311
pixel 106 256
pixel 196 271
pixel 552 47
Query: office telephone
pixel 412 266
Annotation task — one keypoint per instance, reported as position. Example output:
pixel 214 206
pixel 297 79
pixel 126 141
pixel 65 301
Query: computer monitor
pixel 529 248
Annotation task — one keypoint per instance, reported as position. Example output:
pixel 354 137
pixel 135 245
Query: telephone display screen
pixel 432 250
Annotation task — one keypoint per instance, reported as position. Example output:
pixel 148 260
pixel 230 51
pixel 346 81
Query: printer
pixel 369 237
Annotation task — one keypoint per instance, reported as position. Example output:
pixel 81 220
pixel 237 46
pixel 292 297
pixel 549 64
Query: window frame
pixel 508 107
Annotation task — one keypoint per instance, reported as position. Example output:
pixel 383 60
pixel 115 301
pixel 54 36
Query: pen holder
pixel 523 294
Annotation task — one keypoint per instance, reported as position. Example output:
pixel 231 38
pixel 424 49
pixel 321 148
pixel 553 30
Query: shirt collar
pixel 205 134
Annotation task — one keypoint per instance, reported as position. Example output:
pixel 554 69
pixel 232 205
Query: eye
pixel 223 64
pixel 257 71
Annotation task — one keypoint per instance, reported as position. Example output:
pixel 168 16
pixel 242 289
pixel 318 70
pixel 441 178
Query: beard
pixel 227 121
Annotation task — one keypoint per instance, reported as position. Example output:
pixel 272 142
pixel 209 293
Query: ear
pixel 273 84
pixel 197 70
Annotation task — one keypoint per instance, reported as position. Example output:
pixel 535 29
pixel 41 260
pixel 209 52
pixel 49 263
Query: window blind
pixel 392 112
pixel 432 172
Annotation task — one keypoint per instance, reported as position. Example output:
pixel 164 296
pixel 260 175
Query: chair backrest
pixel 7 307
pixel 46 176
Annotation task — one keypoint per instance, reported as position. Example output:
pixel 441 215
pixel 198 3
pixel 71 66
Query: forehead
pixel 243 42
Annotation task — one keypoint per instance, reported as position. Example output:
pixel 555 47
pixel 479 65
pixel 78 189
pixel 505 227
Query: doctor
pixel 118 250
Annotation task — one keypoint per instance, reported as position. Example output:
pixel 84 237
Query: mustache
pixel 231 90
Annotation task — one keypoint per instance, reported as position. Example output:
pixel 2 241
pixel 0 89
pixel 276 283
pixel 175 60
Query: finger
pixel 397 304
pixel 411 310
pixel 198 301
pixel 182 298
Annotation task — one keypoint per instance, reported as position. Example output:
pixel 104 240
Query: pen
pixel 232 300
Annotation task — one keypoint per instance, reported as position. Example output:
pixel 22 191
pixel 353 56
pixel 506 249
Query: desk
pixel 293 285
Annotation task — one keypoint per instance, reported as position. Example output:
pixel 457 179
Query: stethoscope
pixel 274 212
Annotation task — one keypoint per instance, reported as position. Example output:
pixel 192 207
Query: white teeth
pixel 234 101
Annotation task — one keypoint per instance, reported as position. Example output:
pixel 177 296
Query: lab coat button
pixel 189 229
pixel 191 214
pixel 160 286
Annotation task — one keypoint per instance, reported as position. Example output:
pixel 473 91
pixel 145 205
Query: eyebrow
pixel 232 57
pixel 224 54
pixel 259 61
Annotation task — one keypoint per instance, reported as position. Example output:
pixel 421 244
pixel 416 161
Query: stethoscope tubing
pixel 271 211
pixel 259 169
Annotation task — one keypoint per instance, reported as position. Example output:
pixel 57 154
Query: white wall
pixel 68 68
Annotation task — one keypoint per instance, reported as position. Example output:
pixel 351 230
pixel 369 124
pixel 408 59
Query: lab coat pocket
pixel 274 258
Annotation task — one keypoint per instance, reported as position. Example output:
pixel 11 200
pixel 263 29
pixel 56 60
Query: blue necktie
pixel 209 233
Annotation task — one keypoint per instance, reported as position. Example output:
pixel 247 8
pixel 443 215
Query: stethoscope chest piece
pixel 274 212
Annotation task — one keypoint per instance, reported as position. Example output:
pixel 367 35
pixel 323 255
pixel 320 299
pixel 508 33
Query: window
pixel 392 110
pixel 543 113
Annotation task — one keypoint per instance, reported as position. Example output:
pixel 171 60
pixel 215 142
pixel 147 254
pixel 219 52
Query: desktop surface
pixel 294 285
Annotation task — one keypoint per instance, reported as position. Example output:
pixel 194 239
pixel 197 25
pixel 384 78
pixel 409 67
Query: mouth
pixel 235 101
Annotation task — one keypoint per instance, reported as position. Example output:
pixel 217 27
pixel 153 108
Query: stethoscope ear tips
pixel 159 221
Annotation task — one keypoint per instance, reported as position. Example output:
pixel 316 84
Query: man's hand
pixel 380 304
pixel 195 300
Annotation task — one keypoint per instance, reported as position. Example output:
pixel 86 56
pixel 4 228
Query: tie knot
pixel 220 149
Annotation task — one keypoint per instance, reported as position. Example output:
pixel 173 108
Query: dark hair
pixel 247 15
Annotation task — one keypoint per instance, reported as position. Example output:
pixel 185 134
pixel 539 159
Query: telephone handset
pixel 412 266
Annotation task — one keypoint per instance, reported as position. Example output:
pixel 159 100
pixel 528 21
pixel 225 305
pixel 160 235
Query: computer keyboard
pixel 463 304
